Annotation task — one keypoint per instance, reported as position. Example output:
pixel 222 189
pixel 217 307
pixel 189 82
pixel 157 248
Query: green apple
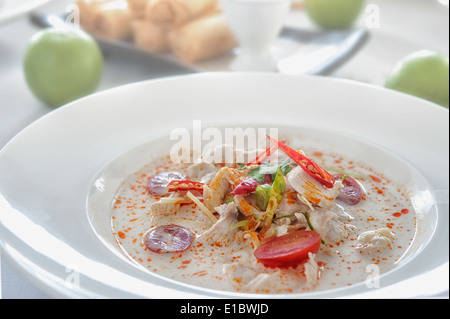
pixel 424 74
pixel 334 14
pixel 62 65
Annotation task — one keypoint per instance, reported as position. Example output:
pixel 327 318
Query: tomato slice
pixel 288 250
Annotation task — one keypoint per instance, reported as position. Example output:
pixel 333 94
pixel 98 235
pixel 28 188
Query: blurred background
pixel 369 46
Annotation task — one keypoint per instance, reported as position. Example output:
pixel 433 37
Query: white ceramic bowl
pixel 47 173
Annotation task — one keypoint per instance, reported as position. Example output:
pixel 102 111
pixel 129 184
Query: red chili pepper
pixel 325 178
pixel 184 185
pixel 245 187
pixel 261 157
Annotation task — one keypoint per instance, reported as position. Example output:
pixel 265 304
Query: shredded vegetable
pixel 276 194
pixel 308 165
pixel 262 196
pixel 202 207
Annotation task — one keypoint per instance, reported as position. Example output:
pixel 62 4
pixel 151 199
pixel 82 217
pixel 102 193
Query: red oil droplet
pixel 375 179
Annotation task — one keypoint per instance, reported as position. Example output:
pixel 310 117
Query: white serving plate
pixel 11 9
pixel 47 173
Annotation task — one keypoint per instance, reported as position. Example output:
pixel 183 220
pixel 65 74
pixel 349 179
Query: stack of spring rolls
pixel 192 29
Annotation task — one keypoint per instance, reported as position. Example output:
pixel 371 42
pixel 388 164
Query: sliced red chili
pixel 185 185
pixel 261 157
pixel 247 186
pixel 309 166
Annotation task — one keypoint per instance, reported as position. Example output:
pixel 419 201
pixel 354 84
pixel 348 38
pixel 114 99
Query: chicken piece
pixel 168 205
pixel 160 208
pixel 221 185
pixel 329 225
pixel 202 172
pixel 312 272
pixel 302 221
pixel 262 283
pixel 251 279
pixel 247 208
pixel 290 204
pixel 251 237
pixel 238 272
pixel 290 224
pixel 221 230
pixel 311 189
pixel 375 240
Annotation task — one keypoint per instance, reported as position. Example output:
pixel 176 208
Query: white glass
pixel 255 24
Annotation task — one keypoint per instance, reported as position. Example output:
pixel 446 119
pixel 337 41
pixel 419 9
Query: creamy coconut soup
pixel 289 221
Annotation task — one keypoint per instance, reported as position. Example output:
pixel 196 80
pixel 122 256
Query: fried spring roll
pixel 138 7
pixel 173 13
pixel 112 20
pixel 149 37
pixel 202 38
pixel 297 4
pixel 87 9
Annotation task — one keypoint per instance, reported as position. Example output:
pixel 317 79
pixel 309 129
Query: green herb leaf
pixel 287 166
pixel 259 173
pixel 268 169
pixel 256 174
